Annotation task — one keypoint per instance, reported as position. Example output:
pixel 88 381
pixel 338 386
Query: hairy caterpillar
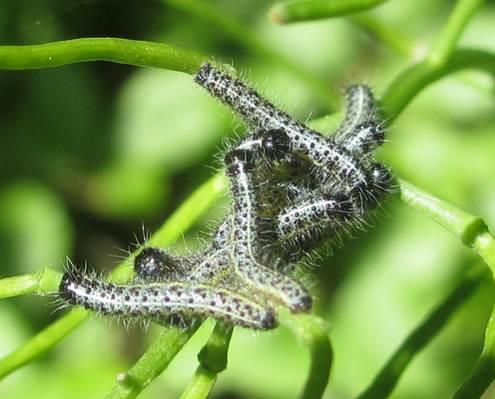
pixel 162 300
pixel 292 189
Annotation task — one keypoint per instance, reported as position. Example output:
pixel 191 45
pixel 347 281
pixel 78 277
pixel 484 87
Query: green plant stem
pixel 42 282
pixel 470 229
pixel 42 342
pixel 424 333
pixel 448 38
pixel 306 10
pixel 121 51
pixel 246 36
pixel 212 361
pixel 312 332
pixel 484 371
pixel 201 384
pixel 151 364
pixel 415 78
pixel 197 204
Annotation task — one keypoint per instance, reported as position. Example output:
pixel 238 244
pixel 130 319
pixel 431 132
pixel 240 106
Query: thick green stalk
pixel 121 51
pixel 484 371
pixel 184 217
pixel 306 10
pixel 312 332
pixel 422 335
pixel 212 361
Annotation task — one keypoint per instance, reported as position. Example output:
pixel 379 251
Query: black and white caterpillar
pixel 292 188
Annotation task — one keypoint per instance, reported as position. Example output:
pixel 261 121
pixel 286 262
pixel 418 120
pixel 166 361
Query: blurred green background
pixel 90 153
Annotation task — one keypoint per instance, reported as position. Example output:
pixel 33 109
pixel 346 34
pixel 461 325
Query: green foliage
pixel 114 145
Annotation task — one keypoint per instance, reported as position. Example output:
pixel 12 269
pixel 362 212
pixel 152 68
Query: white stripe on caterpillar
pixel 158 300
pixel 245 239
pixel 360 132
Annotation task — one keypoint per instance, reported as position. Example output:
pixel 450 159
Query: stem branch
pixel 312 332
pixel 212 361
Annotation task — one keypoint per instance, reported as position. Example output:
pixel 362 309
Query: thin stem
pixel 247 37
pixel 312 332
pixel 151 364
pixel 121 51
pixel 212 361
pixel 43 282
pixel 484 371
pixel 448 38
pixel 42 342
pixel 185 216
pixel 306 10
pixel 470 229
pixel 422 335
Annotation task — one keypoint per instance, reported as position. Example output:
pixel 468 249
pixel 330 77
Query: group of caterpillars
pixel 292 190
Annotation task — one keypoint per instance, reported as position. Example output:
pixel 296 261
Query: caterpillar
pixel 292 190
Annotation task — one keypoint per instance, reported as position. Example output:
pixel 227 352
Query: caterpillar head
pixel 153 263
